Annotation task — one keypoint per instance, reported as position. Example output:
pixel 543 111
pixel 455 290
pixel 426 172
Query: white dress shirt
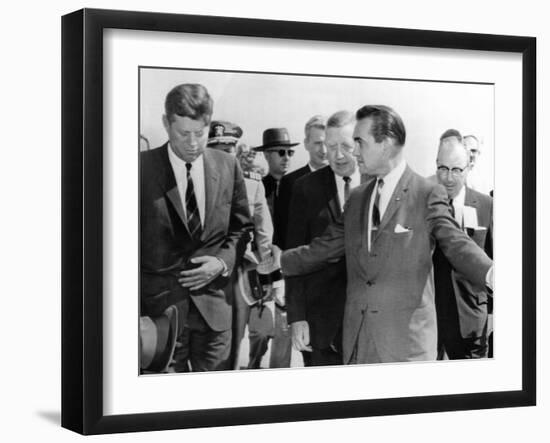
pixel 197 174
pixel 458 205
pixel 386 191
pixel 340 185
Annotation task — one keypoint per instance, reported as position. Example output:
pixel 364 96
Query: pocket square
pixel 399 229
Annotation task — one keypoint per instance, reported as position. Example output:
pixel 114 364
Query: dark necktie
pixel 376 209
pixel 347 189
pixel 376 206
pixel 452 207
pixel 193 217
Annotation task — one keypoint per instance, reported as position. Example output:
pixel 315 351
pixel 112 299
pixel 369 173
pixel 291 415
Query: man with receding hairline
pixel 387 234
pixel 462 317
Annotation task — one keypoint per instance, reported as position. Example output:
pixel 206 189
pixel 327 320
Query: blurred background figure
pixel 247 159
pixel 476 178
pixel 473 146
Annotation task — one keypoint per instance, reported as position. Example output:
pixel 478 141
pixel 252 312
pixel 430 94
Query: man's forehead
pixel 453 155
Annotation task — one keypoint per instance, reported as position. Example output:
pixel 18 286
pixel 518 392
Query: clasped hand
pixel 210 267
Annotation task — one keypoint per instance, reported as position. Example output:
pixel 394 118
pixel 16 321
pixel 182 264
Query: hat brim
pixel 158 340
pixel 274 145
pixel 225 140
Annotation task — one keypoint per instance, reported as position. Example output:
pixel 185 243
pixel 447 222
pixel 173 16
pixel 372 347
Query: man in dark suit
pixel 194 228
pixel 314 143
pixel 315 302
pixel 387 235
pixel 461 310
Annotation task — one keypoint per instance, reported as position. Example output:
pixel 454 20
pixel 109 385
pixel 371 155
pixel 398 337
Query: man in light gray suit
pixel 387 234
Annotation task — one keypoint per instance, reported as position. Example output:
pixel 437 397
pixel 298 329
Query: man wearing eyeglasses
pixel 315 302
pixel 462 317
pixel 194 224
pixel 278 150
pixel 387 234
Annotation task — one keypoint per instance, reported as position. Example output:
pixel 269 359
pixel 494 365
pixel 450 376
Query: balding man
pixel 461 309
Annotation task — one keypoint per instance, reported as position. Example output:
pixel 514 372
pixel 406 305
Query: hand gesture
pixel 210 267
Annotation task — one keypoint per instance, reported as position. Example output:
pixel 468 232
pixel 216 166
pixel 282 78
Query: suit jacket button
pixel 370 283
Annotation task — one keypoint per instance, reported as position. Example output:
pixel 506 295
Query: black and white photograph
pixel 296 220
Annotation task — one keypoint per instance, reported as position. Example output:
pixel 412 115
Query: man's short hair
pixel 451 133
pixel 386 123
pixel 317 121
pixel 189 100
pixel 340 119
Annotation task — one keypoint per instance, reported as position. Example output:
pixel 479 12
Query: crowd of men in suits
pixel 353 258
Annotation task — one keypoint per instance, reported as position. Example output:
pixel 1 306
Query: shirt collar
pixel 458 201
pixel 179 165
pixel 355 177
pixel 392 177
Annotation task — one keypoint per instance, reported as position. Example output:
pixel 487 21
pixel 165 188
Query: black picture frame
pixel 82 219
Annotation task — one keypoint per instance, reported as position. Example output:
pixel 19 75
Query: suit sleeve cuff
pixel 225 271
pixel 489 278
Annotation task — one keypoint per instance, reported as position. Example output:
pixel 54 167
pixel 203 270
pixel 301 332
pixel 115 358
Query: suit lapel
pixel 470 199
pixel 395 201
pixel 167 182
pixel 331 192
pixel 211 180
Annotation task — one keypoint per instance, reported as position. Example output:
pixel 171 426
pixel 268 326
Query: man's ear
pixel 165 122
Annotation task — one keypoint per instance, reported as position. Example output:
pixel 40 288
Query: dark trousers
pixel 330 356
pixel 450 342
pixel 199 348
pixel 322 357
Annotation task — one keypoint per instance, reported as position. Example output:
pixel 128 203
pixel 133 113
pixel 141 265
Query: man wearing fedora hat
pixel 277 149
pixel 194 224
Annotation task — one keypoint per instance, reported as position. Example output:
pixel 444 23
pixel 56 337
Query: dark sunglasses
pixel 282 152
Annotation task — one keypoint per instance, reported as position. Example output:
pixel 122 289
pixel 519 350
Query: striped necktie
pixel 193 217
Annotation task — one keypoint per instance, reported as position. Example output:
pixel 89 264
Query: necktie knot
pixel 380 184
pixel 346 179
pixel 188 166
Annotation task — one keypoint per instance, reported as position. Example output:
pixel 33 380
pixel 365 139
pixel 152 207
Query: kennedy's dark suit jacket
pixel 282 205
pixel 166 245
pixel 471 303
pixel 319 297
